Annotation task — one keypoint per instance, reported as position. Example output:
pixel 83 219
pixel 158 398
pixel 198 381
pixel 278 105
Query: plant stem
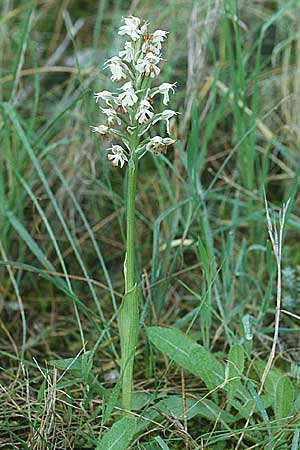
pixel 130 229
pixel 129 310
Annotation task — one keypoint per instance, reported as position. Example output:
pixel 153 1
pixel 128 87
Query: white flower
pixel 166 115
pixel 164 89
pixel 154 41
pixel 144 113
pixel 105 96
pixel 148 64
pixel 128 97
pixel 159 36
pixel 116 67
pixel 159 144
pixel 128 54
pixel 112 116
pixel 117 156
pixel 103 131
pixel 131 27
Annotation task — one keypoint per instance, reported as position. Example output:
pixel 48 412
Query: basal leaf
pixel 119 436
pixel 284 398
pixel 236 363
pixel 172 406
pixel 187 354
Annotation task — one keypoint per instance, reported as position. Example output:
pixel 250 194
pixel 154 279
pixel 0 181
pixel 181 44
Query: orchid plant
pixel 129 115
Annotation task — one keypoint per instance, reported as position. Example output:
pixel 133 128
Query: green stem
pixel 129 310
pixel 130 229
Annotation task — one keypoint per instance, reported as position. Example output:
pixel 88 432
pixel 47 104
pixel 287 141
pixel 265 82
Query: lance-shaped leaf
pixel 119 436
pixel 188 354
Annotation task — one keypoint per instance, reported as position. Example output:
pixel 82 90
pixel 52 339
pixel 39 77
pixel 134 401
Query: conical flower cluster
pixel 129 111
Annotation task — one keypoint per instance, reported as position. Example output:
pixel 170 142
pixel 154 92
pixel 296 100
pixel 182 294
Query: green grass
pixel 204 259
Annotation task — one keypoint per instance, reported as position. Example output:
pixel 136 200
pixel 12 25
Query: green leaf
pixel 272 378
pixel 172 406
pixel 284 398
pixel 193 145
pixel 119 436
pixel 112 401
pixel 140 400
pixel 205 408
pixel 188 354
pixel 236 363
pixel 204 258
pixel 161 443
pixel 261 408
pixel 236 359
pixel 79 364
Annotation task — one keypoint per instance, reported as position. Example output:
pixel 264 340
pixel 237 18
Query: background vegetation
pixel 205 263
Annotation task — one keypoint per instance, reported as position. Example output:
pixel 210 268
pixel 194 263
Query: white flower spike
pixel 131 112
pixel 117 156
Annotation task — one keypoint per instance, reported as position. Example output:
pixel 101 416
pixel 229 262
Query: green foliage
pixel 188 354
pixel 119 436
pixel 236 365
pixel 284 398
